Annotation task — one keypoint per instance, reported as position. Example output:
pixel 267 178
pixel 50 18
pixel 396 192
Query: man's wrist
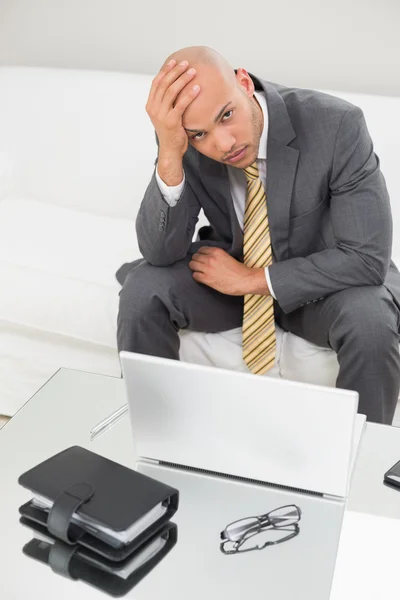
pixel 255 282
pixel 170 170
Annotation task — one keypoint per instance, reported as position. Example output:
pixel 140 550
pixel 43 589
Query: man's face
pixel 227 116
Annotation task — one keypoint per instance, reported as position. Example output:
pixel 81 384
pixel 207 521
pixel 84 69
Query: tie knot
pixel 251 172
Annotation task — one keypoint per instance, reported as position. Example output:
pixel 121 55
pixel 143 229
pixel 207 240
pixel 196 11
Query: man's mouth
pixel 236 155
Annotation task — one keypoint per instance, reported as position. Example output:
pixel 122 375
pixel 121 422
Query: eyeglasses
pixel 275 527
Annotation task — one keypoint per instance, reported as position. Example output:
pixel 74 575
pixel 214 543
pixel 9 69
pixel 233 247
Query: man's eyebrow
pixel 215 120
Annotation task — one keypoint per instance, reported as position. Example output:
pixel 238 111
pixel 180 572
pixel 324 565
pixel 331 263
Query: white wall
pixel 349 45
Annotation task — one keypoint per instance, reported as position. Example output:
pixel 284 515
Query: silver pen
pixel 108 422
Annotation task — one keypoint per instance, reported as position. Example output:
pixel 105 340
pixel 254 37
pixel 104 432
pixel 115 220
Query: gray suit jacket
pixel 328 206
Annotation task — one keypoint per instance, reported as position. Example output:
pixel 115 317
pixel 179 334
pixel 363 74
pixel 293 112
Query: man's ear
pixel 245 81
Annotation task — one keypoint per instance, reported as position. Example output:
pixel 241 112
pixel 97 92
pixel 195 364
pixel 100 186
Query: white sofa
pixel 77 151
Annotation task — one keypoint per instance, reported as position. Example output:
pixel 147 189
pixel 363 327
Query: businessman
pixel 300 227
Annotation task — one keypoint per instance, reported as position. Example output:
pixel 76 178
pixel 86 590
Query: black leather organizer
pixel 84 504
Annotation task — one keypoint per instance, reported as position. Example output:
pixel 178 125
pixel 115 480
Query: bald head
pixel 207 62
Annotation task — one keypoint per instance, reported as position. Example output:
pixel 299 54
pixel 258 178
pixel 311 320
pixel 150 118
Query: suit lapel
pixel 281 170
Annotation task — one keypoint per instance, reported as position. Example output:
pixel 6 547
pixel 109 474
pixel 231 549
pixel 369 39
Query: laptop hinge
pixel 198 471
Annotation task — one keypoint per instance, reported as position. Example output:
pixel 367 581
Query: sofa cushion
pixel 44 301
pixel 57 268
pixel 222 349
pixel 296 359
pixel 65 242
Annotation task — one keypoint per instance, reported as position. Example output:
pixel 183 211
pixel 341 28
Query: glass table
pixel 62 413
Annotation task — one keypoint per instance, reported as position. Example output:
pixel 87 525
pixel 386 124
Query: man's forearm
pixel 297 281
pixel 170 169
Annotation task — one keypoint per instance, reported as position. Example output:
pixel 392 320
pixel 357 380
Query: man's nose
pixel 225 144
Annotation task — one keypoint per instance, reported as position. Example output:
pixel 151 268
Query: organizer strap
pixel 65 505
pixel 60 558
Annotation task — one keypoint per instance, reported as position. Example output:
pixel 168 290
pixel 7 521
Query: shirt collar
pixel 262 149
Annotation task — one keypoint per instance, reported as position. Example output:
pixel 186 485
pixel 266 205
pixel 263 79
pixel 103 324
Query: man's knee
pixel 139 290
pixel 367 316
pixel 146 288
pixel 147 322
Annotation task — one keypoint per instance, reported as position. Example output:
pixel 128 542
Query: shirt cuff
pixel 267 277
pixel 171 193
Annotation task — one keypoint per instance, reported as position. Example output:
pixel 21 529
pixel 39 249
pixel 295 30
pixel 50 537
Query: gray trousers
pixel 361 324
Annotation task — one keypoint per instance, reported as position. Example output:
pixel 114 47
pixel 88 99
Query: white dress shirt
pixel 237 179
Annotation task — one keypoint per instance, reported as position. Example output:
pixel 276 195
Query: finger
pixel 185 99
pixel 172 83
pixel 196 266
pixel 199 277
pixel 202 258
pixel 175 88
pixel 166 68
pixel 206 250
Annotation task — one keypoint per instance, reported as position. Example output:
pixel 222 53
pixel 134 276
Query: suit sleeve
pixel 165 232
pixel 171 194
pixel 361 220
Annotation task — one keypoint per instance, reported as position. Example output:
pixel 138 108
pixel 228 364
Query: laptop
pixel 300 568
pixel 261 429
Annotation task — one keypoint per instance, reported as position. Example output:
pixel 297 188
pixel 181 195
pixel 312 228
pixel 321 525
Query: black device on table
pixel 392 476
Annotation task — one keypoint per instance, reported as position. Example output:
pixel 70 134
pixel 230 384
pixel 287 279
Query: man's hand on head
pixel 217 269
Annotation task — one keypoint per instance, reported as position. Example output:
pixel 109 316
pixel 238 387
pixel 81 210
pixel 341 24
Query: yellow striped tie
pixel 259 342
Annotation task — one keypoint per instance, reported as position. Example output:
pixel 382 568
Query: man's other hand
pixel 217 269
